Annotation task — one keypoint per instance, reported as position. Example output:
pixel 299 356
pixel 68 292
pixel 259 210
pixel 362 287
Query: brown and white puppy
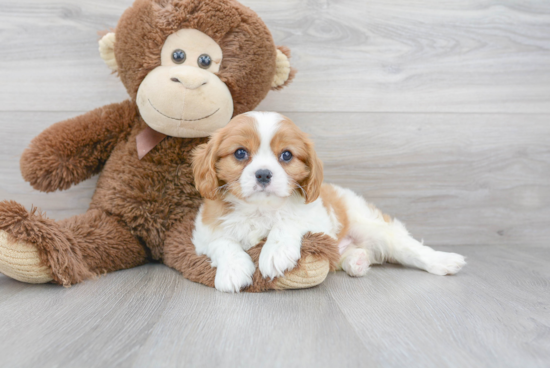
pixel 261 178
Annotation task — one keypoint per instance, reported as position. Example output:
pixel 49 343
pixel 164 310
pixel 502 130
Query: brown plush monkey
pixel 188 66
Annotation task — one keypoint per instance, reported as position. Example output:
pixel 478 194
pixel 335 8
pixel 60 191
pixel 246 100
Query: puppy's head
pixel 256 156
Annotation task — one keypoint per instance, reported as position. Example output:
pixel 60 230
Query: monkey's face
pixel 190 65
pixel 183 97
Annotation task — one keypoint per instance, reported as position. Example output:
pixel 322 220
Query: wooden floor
pixel 493 314
pixel 438 112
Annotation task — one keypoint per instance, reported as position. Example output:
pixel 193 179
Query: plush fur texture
pixel 141 210
pixel 248 49
pixel 71 151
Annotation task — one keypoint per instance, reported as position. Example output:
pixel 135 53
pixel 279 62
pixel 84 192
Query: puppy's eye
pixel 286 156
pixel 178 56
pixel 241 154
pixel 204 61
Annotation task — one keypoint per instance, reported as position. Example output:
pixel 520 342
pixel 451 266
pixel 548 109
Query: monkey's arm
pixel 73 150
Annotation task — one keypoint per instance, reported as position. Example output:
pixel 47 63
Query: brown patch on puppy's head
pixel 215 167
pixel 305 169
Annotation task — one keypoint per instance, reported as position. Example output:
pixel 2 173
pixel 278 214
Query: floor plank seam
pixel 357 336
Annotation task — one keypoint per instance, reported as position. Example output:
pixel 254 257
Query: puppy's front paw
pixel 235 274
pixel 279 256
pixel 443 263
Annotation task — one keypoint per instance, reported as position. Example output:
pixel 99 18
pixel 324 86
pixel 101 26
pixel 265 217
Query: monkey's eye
pixel 286 156
pixel 204 61
pixel 178 56
pixel 241 154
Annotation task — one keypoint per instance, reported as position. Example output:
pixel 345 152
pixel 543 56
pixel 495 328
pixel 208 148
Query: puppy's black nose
pixel 263 177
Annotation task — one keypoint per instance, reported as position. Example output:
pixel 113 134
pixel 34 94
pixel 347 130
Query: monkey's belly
pixel 148 195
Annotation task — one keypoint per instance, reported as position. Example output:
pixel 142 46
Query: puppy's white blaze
pixel 267 125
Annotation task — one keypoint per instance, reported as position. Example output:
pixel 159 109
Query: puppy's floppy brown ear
pixel 204 169
pixel 312 184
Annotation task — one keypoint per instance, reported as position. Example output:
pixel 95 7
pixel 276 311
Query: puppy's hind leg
pixel 408 251
pixel 393 243
pixel 354 260
pixel 387 240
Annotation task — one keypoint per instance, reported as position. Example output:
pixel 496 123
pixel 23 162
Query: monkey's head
pixel 191 65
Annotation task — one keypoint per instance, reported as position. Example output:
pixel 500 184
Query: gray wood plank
pixel 492 314
pixel 47 325
pixel 353 55
pixel 203 327
pixel 453 179
pixel 152 317
pixel 9 288
pixel 49 58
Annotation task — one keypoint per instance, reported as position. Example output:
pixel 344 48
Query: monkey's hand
pixel 73 150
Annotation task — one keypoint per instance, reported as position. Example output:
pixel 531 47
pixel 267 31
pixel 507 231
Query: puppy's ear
pixel 312 184
pixel 204 169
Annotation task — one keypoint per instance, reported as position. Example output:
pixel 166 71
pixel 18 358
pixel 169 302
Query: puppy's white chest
pixel 249 228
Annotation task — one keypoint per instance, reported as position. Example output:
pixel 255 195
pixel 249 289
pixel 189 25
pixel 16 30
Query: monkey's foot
pixel 311 272
pixel 21 261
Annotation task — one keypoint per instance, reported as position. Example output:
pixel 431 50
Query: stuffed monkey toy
pixel 189 66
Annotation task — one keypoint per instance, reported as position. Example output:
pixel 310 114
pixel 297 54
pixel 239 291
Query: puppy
pixel 261 178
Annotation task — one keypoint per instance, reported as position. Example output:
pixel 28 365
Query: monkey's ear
pixel 284 74
pixel 107 50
